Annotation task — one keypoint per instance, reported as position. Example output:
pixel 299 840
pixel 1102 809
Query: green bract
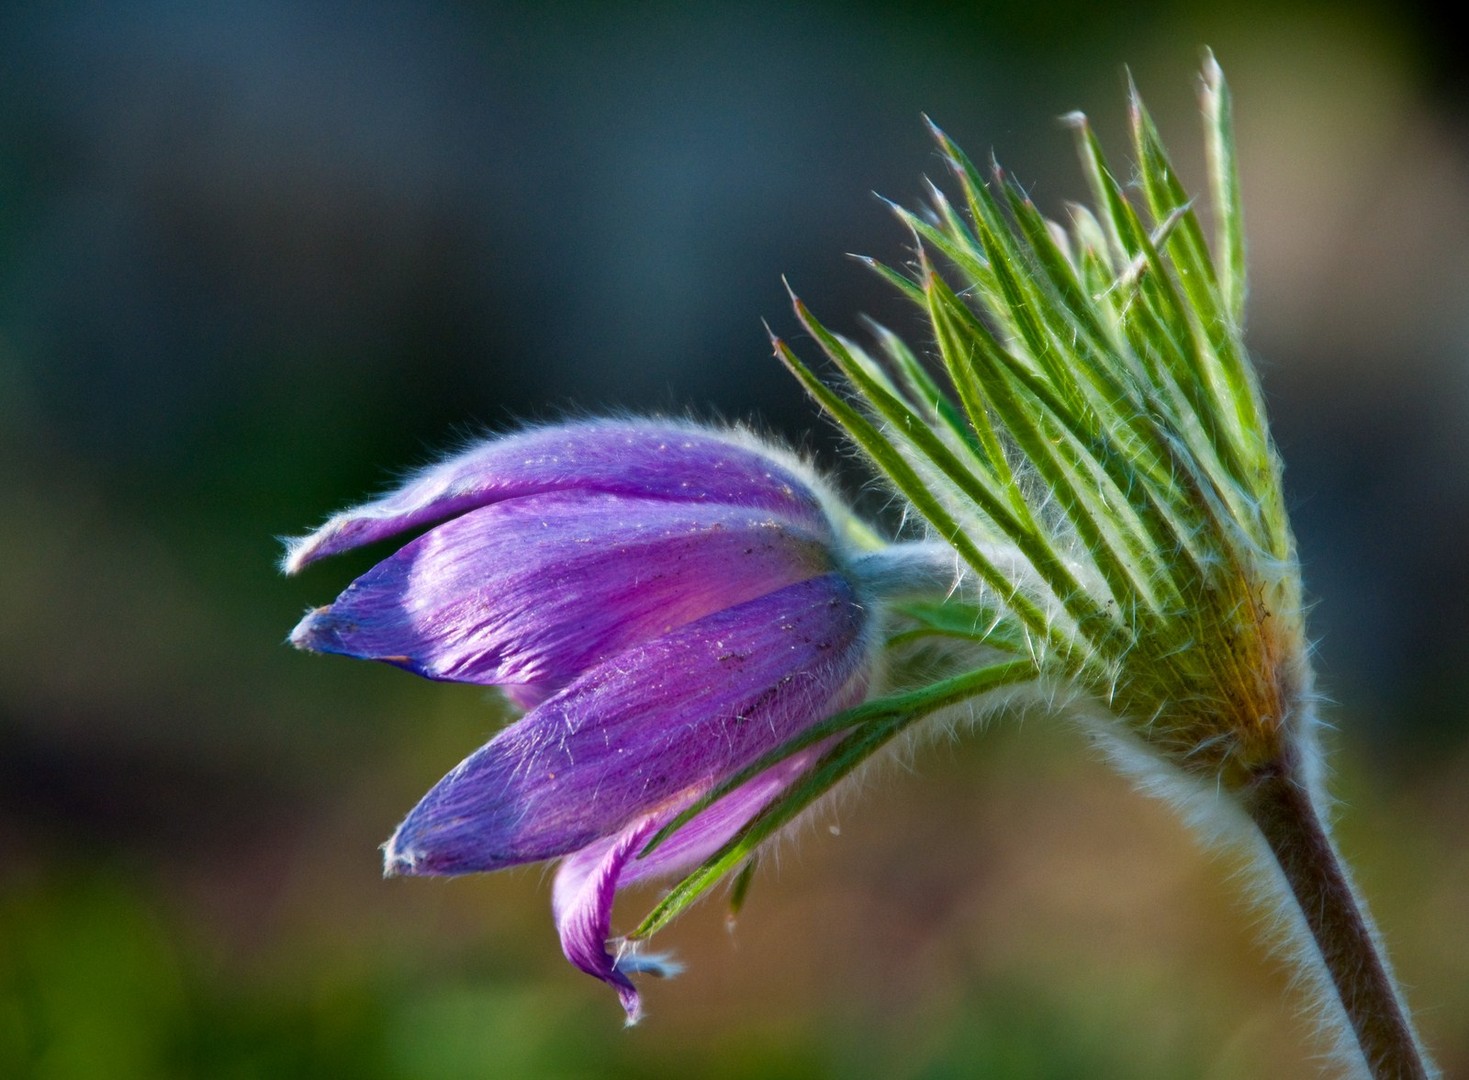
pixel 1091 440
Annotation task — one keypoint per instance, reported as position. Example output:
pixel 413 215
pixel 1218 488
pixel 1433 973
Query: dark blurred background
pixel 255 258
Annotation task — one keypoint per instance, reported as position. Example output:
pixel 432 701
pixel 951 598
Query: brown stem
pixel 1283 811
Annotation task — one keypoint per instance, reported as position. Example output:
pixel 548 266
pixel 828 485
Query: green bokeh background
pixel 255 259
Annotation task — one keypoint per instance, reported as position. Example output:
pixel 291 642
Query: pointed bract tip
pixel 1213 73
pixel 777 343
pixel 1074 119
pixel 1212 85
pixel 909 219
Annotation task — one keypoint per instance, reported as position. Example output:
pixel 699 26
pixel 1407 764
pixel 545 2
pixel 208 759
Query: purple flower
pixel 669 602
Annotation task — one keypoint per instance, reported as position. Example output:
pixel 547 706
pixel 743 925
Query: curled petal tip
pixel 632 1004
pixel 660 966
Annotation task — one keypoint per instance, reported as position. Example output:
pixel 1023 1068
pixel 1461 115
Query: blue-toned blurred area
pixel 258 258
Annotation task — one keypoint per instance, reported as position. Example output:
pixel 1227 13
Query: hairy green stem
pixel 1287 817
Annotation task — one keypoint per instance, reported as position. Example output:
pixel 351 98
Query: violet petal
pixel 648 726
pixel 653 459
pixel 581 903
pixel 533 591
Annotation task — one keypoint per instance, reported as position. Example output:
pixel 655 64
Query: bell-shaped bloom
pixel 670 603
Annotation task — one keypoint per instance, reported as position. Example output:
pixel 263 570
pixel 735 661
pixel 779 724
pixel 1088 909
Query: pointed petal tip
pixel 306 635
pixel 398 862
pixel 302 551
pixel 341 532
pixel 288 564
pixel 466 824
pixel 406 857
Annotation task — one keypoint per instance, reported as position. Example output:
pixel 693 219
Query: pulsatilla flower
pixel 670 603
pixel 694 620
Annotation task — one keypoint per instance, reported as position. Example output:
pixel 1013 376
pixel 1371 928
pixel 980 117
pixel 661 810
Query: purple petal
pixel 587 880
pixel 581 903
pixel 533 591
pixel 644 729
pixel 652 459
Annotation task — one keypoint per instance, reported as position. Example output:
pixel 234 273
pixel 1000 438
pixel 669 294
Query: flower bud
pixel 671 603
